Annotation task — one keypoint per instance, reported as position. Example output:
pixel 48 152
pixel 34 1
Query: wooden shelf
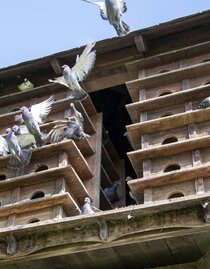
pixel 65 199
pixel 75 157
pixel 166 123
pixel 109 166
pixel 161 179
pixel 168 57
pixel 104 201
pixel 74 183
pixel 138 156
pixel 134 109
pixel 166 78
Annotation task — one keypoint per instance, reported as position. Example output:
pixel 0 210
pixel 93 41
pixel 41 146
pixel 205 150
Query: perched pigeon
pixel 128 178
pixel 34 116
pixel 72 76
pixel 25 84
pixel 75 113
pixel 205 103
pixel 112 10
pixel 25 139
pixel 111 192
pixel 20 158
pixel 86 208
pixel 67 129
pixel 4 150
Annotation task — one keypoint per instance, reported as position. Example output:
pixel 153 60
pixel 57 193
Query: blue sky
pixel 32 29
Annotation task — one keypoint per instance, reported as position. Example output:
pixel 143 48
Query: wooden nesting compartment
pixel 169 60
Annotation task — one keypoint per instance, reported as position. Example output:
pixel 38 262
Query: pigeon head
pixel 87 200
pixel 24 109
pixel 66 69
pixel 15 128
pixel 8 130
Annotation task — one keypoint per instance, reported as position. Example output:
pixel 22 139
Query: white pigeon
pixel 86 208
pixel 72 76
pixel 112 10
pixel 4 150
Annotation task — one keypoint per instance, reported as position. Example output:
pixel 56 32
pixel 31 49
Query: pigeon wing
pixel 59 80
pixel 122 6
pixel 102 8
pixel 41 110
pixel 85 62
pixel 26 140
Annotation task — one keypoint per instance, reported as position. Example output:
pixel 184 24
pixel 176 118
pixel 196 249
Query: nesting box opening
pixel 38 194
pixel 172 167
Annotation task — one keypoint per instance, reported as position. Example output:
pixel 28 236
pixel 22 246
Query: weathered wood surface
pixel 126 225
pixel 168 178
pixel 166 78
pixel 170 122
pixel 167 57
pixel 134 109
pixel 138 156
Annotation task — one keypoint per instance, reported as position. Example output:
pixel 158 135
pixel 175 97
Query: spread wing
pixel 41 110
pixel 57 133
pixel 59 80
pixel 102 8
pixel 122 6
pixel 26 140
pixel 85 62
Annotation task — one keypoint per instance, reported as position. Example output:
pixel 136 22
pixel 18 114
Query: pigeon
pixel 86 208
pixel 75 113
pixel 67 129
pixel 128 178
pixel 111 192
pixel 25 139
pixel 25 84
pixel 20 158
pixel 112 10
pixel 4 150
pixel 34 116
pixel 72 76
pixel 205 103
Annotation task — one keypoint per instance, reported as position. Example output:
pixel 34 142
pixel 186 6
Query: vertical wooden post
pixel 14 198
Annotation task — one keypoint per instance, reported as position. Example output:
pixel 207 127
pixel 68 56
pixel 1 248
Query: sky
pixel 32 29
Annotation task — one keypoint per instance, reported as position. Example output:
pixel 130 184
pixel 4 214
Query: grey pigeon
pixel 128 178
pixel 72 76
pixel 25 139
pixel 78 115
pixel 34 116
pixel 25 85
pixel 86 208
pixel 68 128
pixel 112 10
pixel 205 103
pixel 4 150
pixel 111 192
pixel 20 158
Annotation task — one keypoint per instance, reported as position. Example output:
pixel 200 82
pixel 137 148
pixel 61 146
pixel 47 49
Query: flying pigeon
pixel 72 76
pixel 111 192
pixel 25 139
pixel 25 84
pixel 67 129
pixel 112 10
pixel 205 103
pixel 34 116
pixel 20 158
pixel 86 208
pixel 4 150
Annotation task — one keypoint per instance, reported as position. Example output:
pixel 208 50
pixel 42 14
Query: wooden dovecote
pixel 170 135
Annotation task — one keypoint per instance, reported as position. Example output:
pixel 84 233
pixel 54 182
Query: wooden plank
pixel 141 43
pixel 56 65
pixel 109 166
pixel 168 178
pixel 183 244
pixel 104 201
pixel 161 124
pixel 134 109
pixel 166 78
pixel 31 205
pixel 167 57
pixel 137 157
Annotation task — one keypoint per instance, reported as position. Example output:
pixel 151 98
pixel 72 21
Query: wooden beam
pixel 141 43
pixel 170 122
pixel 149 222
pixel 176 98
pixel 56 65
pixel 166 78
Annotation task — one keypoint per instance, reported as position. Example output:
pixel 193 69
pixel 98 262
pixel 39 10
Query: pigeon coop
pixel 169 134
pixel 59 176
